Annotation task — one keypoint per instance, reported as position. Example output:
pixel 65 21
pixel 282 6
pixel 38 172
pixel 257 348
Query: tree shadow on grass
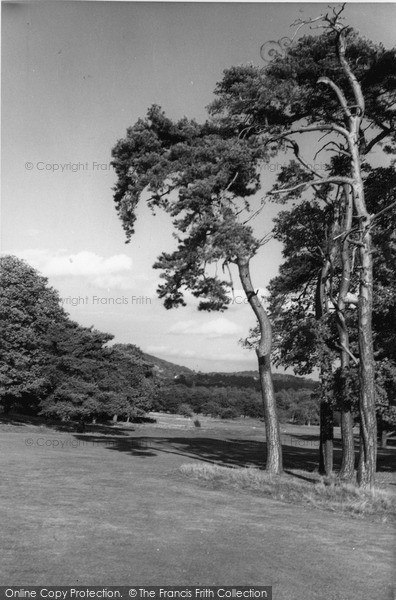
pixel 139 447
pixel 298 453
pixel 10 422
pixel 224 452
pixel 20 420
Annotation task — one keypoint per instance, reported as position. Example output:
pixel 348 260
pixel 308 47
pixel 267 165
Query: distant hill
pixel 168 369
pixel 250 379
pixel 239 379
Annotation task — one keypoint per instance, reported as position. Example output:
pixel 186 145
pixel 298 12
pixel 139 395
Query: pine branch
pixel 329 180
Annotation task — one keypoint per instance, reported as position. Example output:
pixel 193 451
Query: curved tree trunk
pixel 368 423
pixel 274 447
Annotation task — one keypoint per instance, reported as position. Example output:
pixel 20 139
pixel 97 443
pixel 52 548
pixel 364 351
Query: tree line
pixel 226 402
pixel 52 366
pixel 333 305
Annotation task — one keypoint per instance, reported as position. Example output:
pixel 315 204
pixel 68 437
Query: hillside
pixel 166 369
pixel 250 379
pixel 239 379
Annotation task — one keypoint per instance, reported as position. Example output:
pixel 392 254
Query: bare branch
pixel 253 215
pixel 377 139
pixel 381 212
pixel 353 357
pixel 338 146
pixel 296 150
pixel 266 238
pixel 357 90
pixel 339 93
pixel 329 180
pixel 310 128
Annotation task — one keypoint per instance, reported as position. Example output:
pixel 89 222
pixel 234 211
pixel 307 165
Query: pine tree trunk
pixel 326 410
pixel 347 471
pixel 326 439
pixel 368 422
pixel 272 431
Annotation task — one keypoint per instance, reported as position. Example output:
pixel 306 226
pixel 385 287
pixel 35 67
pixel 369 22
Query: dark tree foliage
pixel 52 365
pixel 343 87
pixel 338 84
pixel 29 308
pixel 292 298
pixel 75 357
pixel 202 175
pixel 286 92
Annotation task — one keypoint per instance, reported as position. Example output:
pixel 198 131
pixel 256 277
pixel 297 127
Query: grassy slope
pixel 115 510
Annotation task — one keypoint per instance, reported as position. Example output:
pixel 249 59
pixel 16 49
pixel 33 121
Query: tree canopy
pixel 52 365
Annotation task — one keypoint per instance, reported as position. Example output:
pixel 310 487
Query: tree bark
pixel 274 448
pixel 368 422
pixel 347 470
pixel 326 410
pixel 326 439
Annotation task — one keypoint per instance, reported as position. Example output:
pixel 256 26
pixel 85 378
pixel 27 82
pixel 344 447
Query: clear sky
pixel 75 75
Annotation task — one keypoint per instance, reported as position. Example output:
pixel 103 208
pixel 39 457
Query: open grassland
pixel 116 506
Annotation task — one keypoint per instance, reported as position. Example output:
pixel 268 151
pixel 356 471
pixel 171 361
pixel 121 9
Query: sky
pixel 75 75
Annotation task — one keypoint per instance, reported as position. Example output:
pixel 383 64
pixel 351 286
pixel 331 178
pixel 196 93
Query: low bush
pixel 185 410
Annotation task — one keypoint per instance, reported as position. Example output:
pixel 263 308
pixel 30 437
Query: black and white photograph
pixel 198 300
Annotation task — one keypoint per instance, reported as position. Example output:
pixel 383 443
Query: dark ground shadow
pixel 17 420
pixel 298 452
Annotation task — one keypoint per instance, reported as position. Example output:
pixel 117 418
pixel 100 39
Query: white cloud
pixel 166 351
pixel 111 272
pixel 217 328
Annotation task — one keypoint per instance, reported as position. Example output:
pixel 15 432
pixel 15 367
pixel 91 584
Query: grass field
pixel 118 506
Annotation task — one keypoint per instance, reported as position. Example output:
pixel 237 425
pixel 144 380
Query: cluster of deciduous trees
pixel 336 85
pixel 53 366
pixel 295 406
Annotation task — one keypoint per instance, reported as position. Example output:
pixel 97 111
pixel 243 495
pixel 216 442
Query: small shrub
pixel 229 413
pixel 197 423
pixel 185 410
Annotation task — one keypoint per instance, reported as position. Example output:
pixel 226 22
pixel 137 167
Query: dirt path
pixel 92 514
